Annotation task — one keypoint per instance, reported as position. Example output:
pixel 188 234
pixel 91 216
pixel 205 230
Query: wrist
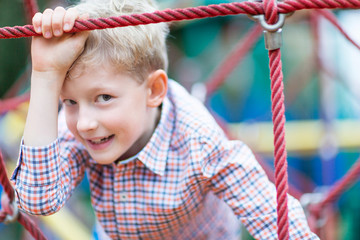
pixel 50 80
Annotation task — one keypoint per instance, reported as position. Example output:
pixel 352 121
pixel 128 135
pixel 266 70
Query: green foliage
pixel 13 52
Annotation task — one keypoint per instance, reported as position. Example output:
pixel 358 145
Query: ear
pixel 157 88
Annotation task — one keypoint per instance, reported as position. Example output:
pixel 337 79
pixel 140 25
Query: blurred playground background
pixel 322 85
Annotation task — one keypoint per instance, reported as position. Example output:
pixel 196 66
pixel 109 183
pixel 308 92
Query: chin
pixel 104 161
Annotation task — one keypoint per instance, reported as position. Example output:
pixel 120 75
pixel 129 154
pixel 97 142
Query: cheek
pixel 71 122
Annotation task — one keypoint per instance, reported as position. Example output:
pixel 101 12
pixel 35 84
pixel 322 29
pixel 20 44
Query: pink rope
pixel 12 103
pixel 9 198
pixel 30 226
pixel 31 8
pixel 333 20
pixel 170 15
pixel 232 60
pixel 278 111
pixel 344 183
pixel 271 10
pixel 4 181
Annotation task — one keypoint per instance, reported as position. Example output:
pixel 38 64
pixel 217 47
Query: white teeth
pixel 100 140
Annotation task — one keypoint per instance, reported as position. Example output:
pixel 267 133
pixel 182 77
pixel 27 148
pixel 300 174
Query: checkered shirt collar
pixel 154 155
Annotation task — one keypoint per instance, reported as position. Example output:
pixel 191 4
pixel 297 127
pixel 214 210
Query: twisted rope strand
pixel 171 15
pixel 30 226
pixel 278 110
pixel 280 162
pixel 271 11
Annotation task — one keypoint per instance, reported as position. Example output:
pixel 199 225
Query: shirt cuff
pixel 37 166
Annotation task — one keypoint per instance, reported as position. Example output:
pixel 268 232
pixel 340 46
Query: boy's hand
pixel 55 51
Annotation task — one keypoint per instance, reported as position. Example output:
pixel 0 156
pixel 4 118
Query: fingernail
pixel 57 32
pixel 38 30
pixel 47 34
pixel 66 27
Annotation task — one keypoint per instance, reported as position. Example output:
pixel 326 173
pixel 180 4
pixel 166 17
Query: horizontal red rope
pixel 170 15
pixel 12 103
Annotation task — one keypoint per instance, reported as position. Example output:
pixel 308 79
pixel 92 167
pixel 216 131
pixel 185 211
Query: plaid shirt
pixel 189 182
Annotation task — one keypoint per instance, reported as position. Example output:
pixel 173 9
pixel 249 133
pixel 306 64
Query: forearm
pixel 239 180
pixel 46 176
pixel 37 180
pixel 41 123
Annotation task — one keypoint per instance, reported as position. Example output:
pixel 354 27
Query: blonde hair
pixel 138 50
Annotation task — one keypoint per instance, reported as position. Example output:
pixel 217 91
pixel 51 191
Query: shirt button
pixel 123 197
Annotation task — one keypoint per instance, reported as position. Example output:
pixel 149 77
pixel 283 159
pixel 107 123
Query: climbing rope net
pixel 270 14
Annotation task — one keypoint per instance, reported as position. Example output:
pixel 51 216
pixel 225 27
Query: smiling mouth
pixel 102 140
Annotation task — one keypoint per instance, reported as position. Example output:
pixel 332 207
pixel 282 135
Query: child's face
pixel 108 113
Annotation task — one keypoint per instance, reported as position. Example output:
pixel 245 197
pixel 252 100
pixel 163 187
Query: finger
pixel 36 21
pixel 69 20
pixel 57 21
pixel 46 23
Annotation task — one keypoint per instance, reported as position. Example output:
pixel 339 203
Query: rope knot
pixel 9 211
pixel 271 11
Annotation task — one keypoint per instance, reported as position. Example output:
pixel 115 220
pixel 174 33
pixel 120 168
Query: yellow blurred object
pixel 300 135
pixel 13 124
pixel 66 226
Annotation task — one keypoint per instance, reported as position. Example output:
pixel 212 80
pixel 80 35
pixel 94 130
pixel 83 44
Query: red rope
pixel 333 20
pixel 4 181
pixel 343 184
pixel 316 209
pixel 9 198
pixel 232 60
pixel 12 103
pixel 31 8
pixel 170 15
pixel 278 111
pixel 271 10
pixel 30 226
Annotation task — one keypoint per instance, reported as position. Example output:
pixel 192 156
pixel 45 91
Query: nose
pixel 86 120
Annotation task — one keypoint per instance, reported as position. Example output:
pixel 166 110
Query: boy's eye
pixel 69 102
pixel 103 98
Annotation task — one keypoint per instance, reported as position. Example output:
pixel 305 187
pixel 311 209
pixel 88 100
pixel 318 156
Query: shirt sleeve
pixel 46 176
pixel 237 178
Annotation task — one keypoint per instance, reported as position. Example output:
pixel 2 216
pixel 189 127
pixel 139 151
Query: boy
pixel 159 166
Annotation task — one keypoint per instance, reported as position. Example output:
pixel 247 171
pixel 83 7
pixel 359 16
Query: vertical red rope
pixel 24 220
pixel 31 8
pixel 8 189
pixel 278 112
